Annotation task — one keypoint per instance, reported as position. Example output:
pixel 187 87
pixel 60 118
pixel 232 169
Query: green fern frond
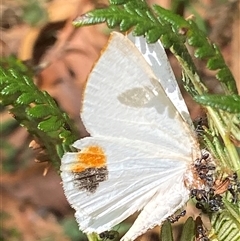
pixel 159 22
pixel 125 14
pixel 35 110
pixel 204 48
pixel 229 103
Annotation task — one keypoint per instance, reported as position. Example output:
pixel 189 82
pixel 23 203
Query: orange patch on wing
pixel 90 157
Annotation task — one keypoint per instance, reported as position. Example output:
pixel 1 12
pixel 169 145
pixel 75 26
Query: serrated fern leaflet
pixel 35 110
pixel 229 103
pixel 159 22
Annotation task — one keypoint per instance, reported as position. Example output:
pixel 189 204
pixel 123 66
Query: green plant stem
pixel 229 145
pixel 199 87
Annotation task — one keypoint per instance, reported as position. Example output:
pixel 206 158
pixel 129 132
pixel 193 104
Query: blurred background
pixel 33 206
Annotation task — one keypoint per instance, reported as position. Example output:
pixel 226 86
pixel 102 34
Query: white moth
pixel 142 146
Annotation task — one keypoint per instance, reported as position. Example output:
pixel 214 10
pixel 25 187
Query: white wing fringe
pixel 161 206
